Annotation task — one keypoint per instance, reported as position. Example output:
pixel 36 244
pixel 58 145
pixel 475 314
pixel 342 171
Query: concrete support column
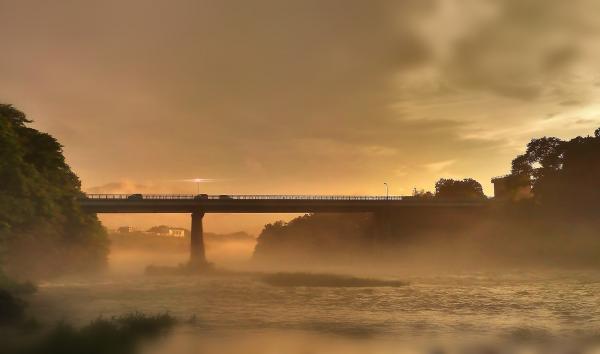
pixel 197 255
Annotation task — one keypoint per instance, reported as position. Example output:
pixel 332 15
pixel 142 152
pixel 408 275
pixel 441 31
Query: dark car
pixel 135 197
pixel 224 196
pixel 201 196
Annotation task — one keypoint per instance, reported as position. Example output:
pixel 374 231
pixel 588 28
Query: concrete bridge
pixel 200 204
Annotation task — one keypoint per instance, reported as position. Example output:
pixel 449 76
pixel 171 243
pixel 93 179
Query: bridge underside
pixel 198 207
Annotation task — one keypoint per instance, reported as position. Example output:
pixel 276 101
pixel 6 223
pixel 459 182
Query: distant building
pixel 512 187
pixel 125 229
pixel 176 232
pixel 167 231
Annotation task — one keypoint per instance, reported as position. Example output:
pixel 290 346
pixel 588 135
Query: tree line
pixel 549 199
pixel 42 229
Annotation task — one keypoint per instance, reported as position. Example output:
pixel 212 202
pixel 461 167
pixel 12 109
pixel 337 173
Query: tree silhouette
pixel 422 194
pixel 466 189
pixel 562 173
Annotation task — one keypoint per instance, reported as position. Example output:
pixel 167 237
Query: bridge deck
pixel 184 203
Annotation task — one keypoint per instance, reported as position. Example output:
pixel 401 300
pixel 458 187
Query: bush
pixel 43 231
pixel 119 335
pixel 12 308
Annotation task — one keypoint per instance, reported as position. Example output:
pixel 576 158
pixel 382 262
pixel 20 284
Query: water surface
pixel 508 305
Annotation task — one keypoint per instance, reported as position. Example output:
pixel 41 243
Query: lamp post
pixel 198 181
pixel 387 190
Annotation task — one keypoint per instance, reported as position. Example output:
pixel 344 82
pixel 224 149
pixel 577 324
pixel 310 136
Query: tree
pixel 562 173
pixel 577 182
pixel 422 194
pixel 42 227
pixel 542 159
pixel 466 189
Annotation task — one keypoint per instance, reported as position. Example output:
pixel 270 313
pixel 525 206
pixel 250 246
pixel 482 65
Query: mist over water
pixel 291 100
pixel 239 312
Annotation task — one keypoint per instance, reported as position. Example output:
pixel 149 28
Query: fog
pixel 226 254
pixel 461 291
pixel 310 97
pixel 482 246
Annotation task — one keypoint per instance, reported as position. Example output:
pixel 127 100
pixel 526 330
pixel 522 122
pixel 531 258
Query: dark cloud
pixel 570 103
pixel 525 48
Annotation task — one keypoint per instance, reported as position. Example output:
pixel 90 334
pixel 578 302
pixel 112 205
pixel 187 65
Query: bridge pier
pixel 197 254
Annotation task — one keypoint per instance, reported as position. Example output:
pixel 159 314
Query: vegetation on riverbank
pixel 12 306
pixel 43 232
pixel 546 214
pixel 118 335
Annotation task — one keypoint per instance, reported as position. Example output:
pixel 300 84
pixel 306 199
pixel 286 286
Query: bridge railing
pixel 236 197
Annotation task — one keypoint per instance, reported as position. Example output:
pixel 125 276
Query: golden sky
pixel 298 96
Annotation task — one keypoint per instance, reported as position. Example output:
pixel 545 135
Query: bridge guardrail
pixel 237 197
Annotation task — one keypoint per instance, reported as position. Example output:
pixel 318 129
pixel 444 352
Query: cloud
pixel 570 103
pixel 374 150
pixel 523 48
pixel 129 186
pixel 439 166
pixel 121 187
pixel 296 96
pixel 401 171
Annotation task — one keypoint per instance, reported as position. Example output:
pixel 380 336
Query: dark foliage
pixel 16 287
pixel 314 237
pixel 422 195
pixel 565 175
pixel 12 308
pixel 42 229
pixel 466 189
pixel 119 335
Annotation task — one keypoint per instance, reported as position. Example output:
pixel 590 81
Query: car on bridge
pixel 136 196
pixel 201 196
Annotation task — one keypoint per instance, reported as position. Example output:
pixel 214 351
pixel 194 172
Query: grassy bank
pixel 118 335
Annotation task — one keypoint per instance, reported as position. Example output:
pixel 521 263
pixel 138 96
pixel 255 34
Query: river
pixel 240 312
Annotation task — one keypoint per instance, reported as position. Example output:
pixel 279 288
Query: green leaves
pixel 39 219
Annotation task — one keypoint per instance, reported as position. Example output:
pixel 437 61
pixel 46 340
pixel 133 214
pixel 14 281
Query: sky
pixel 297 96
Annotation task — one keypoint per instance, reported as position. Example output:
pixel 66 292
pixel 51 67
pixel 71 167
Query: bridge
pixel 200 204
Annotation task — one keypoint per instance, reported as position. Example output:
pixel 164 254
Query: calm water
pixel 243 311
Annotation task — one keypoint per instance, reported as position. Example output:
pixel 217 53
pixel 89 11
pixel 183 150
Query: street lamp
pixel 387 191
pixel 198 181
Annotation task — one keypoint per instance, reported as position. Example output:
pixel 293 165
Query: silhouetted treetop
pixel 422 194
pixel 12 114
pixel 466 189
pixel 562 172
pixel 542 158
